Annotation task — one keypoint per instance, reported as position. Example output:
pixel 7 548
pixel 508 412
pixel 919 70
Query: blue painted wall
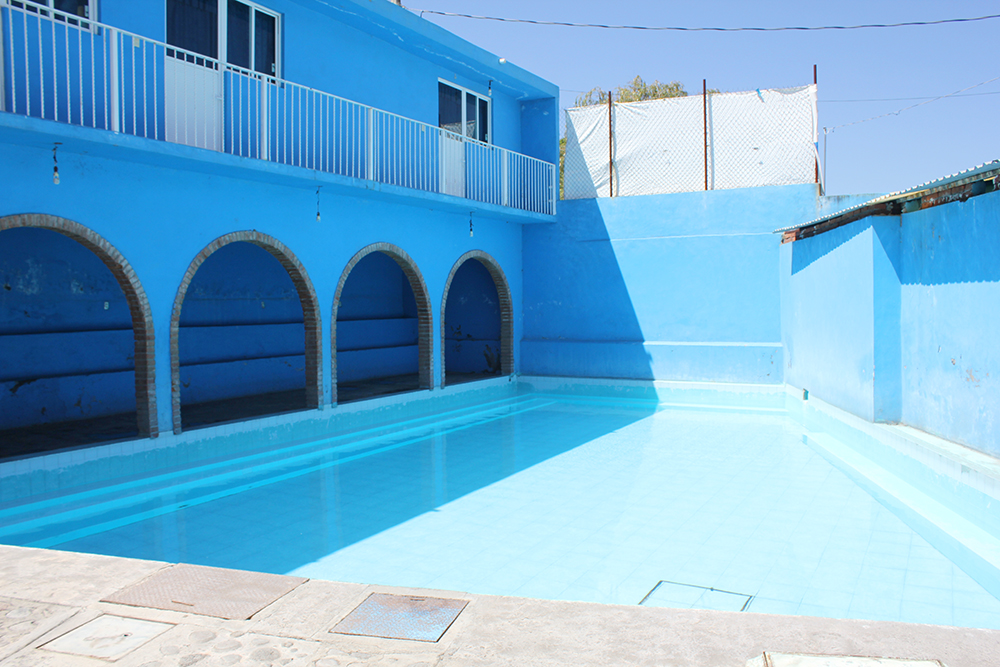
pixel 682 286
pixel 472 322
pixel 66 349
pixel 376 322
pixel 371 52
pixel 895 319
pixel 163 208
pixel 828 316
pixel 241 327
pixel 950 321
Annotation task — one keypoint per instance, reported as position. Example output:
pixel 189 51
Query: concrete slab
pixel 490 630
pixel 107 637
pixel 24 620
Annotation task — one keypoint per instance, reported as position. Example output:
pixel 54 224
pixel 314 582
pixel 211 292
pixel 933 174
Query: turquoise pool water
pixel 570 497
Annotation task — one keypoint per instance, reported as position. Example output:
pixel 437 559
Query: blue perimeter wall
pixel 896 319
pixel 681 286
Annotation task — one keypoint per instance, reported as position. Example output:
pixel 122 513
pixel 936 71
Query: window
pixel 251 38
pixel 463 112
pixel 82 8
pixel 193 25
pixel 251 32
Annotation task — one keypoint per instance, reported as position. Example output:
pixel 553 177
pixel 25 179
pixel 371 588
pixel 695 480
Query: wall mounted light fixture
pixel 55 163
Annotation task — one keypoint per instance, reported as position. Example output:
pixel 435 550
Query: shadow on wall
pixel 807 252
pixel 66 339
pixel 578 315
pixel 241 334
pixel 472 323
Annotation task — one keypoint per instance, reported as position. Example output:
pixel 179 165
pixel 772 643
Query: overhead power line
pixel 827 130
pixel 704 29
pixel 911 99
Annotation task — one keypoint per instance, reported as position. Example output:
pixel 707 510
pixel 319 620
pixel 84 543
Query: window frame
pixel 47 8
pixel 222 37
pixel 478 98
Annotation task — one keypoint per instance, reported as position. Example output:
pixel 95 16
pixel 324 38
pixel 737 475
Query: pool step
pixel 966 544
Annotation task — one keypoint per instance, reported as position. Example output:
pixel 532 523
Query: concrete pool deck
pixel 46 594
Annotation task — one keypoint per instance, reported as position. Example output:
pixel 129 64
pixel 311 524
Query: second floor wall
pixel 357 88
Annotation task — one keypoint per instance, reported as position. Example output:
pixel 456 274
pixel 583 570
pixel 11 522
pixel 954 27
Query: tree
pixel 636 91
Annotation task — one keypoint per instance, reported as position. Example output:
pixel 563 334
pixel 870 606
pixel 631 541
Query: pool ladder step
pixel 969 546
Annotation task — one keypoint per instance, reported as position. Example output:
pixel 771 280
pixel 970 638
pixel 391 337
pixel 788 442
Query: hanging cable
pixel 705 29
pixel 912 106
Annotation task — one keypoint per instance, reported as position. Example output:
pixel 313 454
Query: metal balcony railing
pixel 69 69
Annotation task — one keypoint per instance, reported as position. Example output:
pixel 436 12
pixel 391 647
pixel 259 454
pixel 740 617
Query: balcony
pixel 64 68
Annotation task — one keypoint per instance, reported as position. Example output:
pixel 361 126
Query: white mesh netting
pixel 756 137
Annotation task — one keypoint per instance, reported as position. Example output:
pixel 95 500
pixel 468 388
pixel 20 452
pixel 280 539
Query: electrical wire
pixel 827 130
pixel 910 99
pixel 688 29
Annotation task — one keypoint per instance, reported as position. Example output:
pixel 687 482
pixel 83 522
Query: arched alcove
pixel 76 339
pixel 381 331
pixel 477 324
pixel 244 334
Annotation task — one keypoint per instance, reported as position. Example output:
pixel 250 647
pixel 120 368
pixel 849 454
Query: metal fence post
pixel 265 119
pixel 113 89
pixel 370 144
pixel 611 151
pixel 704 115
pixel 504 171
pixel 3 68
pixel 817 152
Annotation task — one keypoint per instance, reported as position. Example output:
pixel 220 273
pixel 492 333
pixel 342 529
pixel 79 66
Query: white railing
pixel 68 69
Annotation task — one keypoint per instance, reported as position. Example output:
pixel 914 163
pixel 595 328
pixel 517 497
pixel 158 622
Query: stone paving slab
pixel 24 620
pixel 52 593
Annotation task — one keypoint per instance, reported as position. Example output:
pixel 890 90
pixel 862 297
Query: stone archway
pixel 506 309
pixel 424 325
pixel 135 295
pixel 312 319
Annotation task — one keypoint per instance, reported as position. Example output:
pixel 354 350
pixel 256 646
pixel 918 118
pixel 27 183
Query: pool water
pixel 546 495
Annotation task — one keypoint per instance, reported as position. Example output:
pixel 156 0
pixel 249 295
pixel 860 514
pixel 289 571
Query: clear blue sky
pixel 882 155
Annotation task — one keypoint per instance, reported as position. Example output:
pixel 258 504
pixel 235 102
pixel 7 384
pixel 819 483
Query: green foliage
pixel 636 91
pixel 562 164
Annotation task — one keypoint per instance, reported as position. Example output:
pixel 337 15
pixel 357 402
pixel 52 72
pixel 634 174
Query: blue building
pixel 198 209
pixel 306 202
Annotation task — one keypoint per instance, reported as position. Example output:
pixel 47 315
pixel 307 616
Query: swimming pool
pixel 687 497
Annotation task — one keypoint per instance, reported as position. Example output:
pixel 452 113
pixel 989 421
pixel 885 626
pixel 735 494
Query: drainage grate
pixel 210 591
pixel 401 617
pixel 690 596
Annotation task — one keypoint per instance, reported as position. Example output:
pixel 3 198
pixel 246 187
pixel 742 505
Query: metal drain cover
pixel 689 596
pixel 401 617
pixel 209 591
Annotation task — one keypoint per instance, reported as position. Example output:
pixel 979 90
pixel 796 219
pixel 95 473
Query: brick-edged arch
pixel 135 295
pixel 424 315
pixel 312 319
pixel 506 309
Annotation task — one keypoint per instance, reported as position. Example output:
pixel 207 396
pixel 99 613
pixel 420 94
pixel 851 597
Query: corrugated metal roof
pixel 982 172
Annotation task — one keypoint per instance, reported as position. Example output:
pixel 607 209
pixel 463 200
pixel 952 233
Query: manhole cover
pixel 210 591
pixel 401 617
